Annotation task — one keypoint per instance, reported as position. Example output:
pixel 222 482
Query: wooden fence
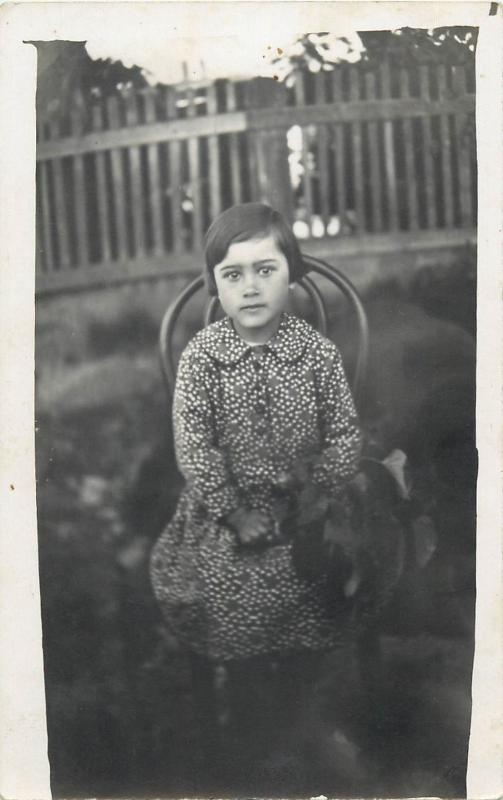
pixel 126 186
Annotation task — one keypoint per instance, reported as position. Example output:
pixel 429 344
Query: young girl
pixel 256 393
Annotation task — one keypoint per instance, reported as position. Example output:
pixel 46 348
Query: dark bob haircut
pixel 249 221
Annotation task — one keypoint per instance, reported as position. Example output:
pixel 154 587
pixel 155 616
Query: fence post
pixel 270 178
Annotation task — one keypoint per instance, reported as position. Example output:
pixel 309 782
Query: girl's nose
pixel 250 285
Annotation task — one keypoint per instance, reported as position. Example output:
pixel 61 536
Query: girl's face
pixel 252 284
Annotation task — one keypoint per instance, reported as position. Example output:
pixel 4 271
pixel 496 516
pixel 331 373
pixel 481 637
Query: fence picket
pixel 235 161
pixel 40 265
pixel 214 171
pixel 45 212
pixel 299 89
pixel 62 217
pixel 175 174
pixel 79 191
pixel 389 153
pixel 323 145
pixel 118 183
pixel 138 222
pixel 357 155
pixel 340 161
pixel 155 204
pixel 307 178
pixel 101 189
pixel 410 169
pixel 445 136
pixel 461 150
pixel 195 179
pixel 427 151
pixel 375 161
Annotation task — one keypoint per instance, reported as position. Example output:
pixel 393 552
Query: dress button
pixel 260 408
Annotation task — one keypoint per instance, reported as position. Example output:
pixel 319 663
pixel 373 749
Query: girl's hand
pixel 250 525
pixel 295 478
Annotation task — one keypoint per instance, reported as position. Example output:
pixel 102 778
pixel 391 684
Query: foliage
pixel 65 69
pixel 316 51
pixel 66 72
pixel 440 45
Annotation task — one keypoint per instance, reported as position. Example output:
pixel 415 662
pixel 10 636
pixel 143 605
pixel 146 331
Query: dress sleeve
pixel 340 429
pixel 201 463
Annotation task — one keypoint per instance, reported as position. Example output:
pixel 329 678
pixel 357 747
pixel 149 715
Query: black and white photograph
pixel 256 380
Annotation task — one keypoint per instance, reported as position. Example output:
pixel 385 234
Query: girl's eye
pixel 232 276
pixel 265 270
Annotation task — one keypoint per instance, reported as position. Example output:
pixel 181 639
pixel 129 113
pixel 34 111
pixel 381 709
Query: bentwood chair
pixel 319 305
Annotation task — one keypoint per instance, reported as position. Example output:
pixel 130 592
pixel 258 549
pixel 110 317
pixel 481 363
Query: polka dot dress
pixel 242 415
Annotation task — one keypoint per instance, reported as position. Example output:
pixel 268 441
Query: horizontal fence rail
pixel 259 119
pixel 130 183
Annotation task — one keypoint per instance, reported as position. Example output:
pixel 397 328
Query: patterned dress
pixel 242 415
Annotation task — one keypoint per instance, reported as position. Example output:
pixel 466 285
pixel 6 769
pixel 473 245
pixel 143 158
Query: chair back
pixel 335 276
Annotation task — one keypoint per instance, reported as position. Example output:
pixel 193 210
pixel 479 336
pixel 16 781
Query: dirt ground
pixel 121 715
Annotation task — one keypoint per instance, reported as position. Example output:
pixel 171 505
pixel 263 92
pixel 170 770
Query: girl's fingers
pixel 244 535
pixel 252 534
pixel 256 528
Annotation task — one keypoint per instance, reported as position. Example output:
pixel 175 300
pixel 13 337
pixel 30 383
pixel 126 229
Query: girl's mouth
pixel 253 307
